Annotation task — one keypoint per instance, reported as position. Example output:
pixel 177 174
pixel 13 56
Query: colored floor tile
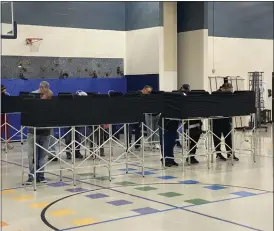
pixel 170 194
pixel 85 221
pixel 103 178
pixel 58 184
pixel 38 205
pixel 97 196
pixel 23 198
pixel 215 187
pixel 146 188
pixel 146 173
pixel 197 201
pixel 129 169
pixel 166 177
pixel 243 194
pixel 86 174
pixel 8 192
pixel 3 224
pixel 125 183
pixel 119 202
pixel 146 210
pixel 189 182
pixel 62 212
pixel 76 190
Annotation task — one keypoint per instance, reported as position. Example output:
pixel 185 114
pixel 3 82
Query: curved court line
pixel 45 221
pixel 81 181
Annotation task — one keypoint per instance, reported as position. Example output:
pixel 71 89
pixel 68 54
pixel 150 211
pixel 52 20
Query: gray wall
pixel 191 16
pixel 141 15
pixel 52 67
pixel 241 19
pixel 89 15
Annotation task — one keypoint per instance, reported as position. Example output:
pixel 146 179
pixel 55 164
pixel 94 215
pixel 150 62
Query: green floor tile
pixel 197 201
pixel 103 178
pixel 170 194
pixel 146 188
pixel 86 174
pixel 125 183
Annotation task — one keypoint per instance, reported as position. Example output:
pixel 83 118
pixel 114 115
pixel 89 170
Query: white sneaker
pixel 157 146
pixel 9 146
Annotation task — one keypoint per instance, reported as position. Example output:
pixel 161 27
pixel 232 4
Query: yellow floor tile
pixel 62 212
pixel 8 192
pixel 23 198
pixel 39 205
pixel 85 221
pixel 3 224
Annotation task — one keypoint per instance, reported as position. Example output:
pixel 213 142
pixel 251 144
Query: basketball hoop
pixel 33 43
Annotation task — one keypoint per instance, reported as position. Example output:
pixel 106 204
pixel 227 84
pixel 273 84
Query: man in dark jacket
pixel 137 126
pixel 168 135
pixel 223 127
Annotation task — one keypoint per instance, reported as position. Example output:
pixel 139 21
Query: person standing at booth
pixel 195 130
pixel 42 138
pixel 223 127
pixel 137 126
pixel 4 120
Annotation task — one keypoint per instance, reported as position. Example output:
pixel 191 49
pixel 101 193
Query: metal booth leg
pixel 6 133
pixel 126 140
pixel 183 145
pixel 60 148
pixel 110 151
pixel 143 150
pixel 163 142
pixel 34 159
pixel 22 155
pixel 73 154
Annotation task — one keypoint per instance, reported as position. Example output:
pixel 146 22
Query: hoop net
pixel 34 44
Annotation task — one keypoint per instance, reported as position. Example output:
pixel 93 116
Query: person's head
pixel 227 87
pixel 65 75
pixel 44 87
pixel 185 88
pixel 147 90
pixel 3 89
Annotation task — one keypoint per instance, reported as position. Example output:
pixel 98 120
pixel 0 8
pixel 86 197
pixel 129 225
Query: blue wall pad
pixel 137 82
pixel 14 86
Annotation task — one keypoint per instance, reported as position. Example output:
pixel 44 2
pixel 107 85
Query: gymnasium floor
pixel 223 198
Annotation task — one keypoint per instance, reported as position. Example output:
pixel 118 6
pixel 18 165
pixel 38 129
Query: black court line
pixel 113 189
pixel 43 213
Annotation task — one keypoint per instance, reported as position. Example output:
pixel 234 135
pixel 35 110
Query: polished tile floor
pixel 222 198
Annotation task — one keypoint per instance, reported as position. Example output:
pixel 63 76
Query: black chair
pixel 115 94
pixel 65 95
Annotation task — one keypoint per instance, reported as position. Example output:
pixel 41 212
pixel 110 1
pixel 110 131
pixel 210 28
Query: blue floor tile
pixel 119 202
pixel 243 194
pixel 215 187
pixel 146 173
pixel 189 182
pixel 166 177
pixel 129 169
pixel 146 210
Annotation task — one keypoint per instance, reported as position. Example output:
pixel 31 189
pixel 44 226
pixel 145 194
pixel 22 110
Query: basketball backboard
pixel 8 24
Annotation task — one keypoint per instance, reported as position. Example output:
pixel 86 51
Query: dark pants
pixel 222 126
pixel 194 134
pixel 137 128
pixel 169 143
pixel 98 138
pixel 68 141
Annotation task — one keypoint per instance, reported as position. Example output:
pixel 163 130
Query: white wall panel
pixel 237 57
pixel 142 51
pixel 192 58
pixel 67 42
